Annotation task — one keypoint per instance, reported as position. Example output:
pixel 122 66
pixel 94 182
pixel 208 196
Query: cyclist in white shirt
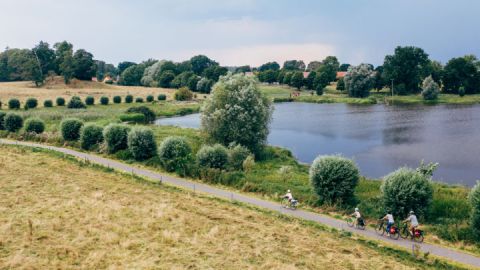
pixel 412 219
pixel 357 216
pixel 390 221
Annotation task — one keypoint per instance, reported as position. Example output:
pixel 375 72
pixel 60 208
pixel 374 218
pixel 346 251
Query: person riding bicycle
pixel 288 196
pixel 390 221
pixel 357 215
pixel 412 219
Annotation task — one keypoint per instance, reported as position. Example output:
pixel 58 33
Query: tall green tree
pixel 344 67
pixel 214 72
pixel 200 63
pixel 331 61
pixel 313 65
pixel 124 65
pixel 359 80
pixel 84 65
pixel 294 65
pixel 297 79
pixel 461 72
pixel 270 65
pixel 67 66
pixel 61 48
pixel 45 56
pixel 406 67
pixel 132 75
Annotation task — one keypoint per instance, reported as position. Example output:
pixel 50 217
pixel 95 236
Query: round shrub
pixel 117 99
pixel 132 118
pixel 60 101
pixel 76 103
pixel 149 98
pixel 149 114
pixel 128 99
pixel 430 89
pixel 162 97
pixel 31 103
pixel 48 103
pixel 115 137
pixel 183 94
pixel 89 100
pixel 175 154
pixel 141 143
pixel 70 129
pixel 334 179
pixel 404 190
pixel 14 104
pixel 13 122
pixel 91 135
pixel 2 120
pixel 35 125
pixel 236 155
pixel 104 100
pixel 215 157
pixel 461 91
pixel 474 198
pixel 139 100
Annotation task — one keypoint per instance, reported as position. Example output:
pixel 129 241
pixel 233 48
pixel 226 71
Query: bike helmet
pixel 411 212
pixel 288 191
pixel 356 209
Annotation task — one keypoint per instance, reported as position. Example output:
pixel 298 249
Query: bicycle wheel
pixel 395 235
pixel 284 203
pixel 404 233
pixel 418 239
pixel 379 229
pixel 350 222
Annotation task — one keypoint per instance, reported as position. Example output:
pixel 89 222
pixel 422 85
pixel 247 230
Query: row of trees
pixel 406 69
pixel 41 61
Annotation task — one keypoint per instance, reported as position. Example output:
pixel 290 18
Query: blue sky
pixel 248 31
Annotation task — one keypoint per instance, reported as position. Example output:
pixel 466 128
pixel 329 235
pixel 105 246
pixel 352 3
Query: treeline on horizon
pixel 405 70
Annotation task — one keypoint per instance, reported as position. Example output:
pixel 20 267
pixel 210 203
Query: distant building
pixel 305 74
pixel 94 79
pixel 341 74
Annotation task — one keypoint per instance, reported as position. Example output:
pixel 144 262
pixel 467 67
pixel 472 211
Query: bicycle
pixel 380 229
pixel 417 235
pixel 289 204
pixel 359 225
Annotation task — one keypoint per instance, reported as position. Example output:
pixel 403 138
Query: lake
pixel 379 138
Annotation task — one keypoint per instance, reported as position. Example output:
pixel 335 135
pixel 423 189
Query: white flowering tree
pixel 237 112
pixel 359 80
pixel 430 89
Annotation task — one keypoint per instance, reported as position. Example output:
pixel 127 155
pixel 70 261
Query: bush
pixel 150 98
pixel 31 103
pixel 138 100
pixel 237 112
pixel 2 120
pixel 109 81
pixel 149 114
pixel 175 154
pixel 236 155
pixel 133 118
pixel 214 157
pixel 70 129
pixel 248 163
pixel 76 103
pixel 89 100
pixel 34 125
pixel 13 122
pixel 162 97
pixel 141 143
pixel 341 84
pixel 104 100
pixel 404 190
pixel 183 94
pixel 117 99
pixel 115 137
pixel 334 179
pixel 60 101
pixel 461 91
pixel 430 89
pixel 128 99
pixel 474 198
pixel 359 80
pixel 48 103
pixel 14 104
pixel 91 136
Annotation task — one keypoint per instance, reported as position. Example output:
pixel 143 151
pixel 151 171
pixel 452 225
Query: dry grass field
pixel 58 214
pixel 52 90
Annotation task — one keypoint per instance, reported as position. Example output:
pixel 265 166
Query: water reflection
pixel 379 138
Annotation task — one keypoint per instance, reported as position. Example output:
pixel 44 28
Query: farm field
pixel 72 215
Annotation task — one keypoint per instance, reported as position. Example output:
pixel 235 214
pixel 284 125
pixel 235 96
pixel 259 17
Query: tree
pixel 132 75
pixel 406 66
pixel 200 63
pixel 328 71
pixel 322 79
pixel 124 65
pixel 430 89
pixel 314 65
pixel 287 77
pixel 204 85
pixel 331 61
pixel 344 67
pixel 269 66
pixel 22 65
pixel 341 84
pixel 45 56
pixel 61 50
pixel 405 190
pixel 166 78
pixel 214 72
pixel 243 69
pixel 334 179
pixel 297 80
pixel 435 69
pixel 309 81
pixel 268 76
pixel 461 72
pixel 294 65
pixel 237 112
pixel 84 66
pixel 359 80
pixel 379 79
pixel 67 66
pixel 103 69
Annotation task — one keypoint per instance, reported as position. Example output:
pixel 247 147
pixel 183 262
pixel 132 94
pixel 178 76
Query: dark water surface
pixel 379 138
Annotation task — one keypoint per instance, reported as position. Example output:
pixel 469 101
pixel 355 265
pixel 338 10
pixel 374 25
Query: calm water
pixel 379 138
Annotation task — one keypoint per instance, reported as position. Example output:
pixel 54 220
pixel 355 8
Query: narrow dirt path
pixel 450 254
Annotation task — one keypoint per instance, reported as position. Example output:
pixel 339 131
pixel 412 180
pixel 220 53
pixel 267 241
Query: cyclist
pixel 289 197
pixel 357 216
pixel 412 219
pixel 390 221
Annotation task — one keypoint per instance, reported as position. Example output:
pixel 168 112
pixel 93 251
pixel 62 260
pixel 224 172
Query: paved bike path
pixel 453 255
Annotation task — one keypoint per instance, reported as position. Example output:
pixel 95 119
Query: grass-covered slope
pixel 57 213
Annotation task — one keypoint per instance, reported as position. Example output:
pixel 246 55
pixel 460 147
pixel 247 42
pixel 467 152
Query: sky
pixel 245 32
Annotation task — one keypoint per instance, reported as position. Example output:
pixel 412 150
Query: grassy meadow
pixel 75 215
